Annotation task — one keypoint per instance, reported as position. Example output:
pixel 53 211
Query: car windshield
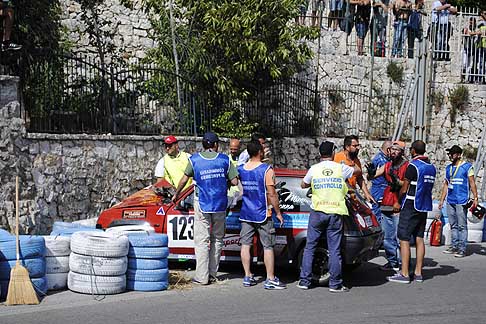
pixel 291 196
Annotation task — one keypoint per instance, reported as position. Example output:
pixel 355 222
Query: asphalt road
pixel 453 292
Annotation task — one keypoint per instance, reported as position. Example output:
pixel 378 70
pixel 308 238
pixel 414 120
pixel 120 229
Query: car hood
pixel 149 196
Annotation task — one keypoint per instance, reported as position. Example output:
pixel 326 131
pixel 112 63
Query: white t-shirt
pixel 347 170
pixel 439 16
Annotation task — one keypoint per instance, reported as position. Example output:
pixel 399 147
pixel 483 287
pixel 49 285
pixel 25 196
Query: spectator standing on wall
pixel 378 183
pixel 459 181
pixel 7 12
pixel 401 10
pixel 327 182
pixel 211 172
pixel 416 194
pixel 258 182
pixel 335 13
pixel 481 51
pixel 378 26
pixel 362 22
pixel 469 54
pixel 394 173
pixel 316 6
pixel 414 28
pixel 172 166
pixel 441 10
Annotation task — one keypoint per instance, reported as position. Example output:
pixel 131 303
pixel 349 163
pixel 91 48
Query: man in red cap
pixel 171 167
pixel 394 174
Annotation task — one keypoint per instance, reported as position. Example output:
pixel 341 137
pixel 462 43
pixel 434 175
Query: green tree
pixel 469 3
pixel 231 47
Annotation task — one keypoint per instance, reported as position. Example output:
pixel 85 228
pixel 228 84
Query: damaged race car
pixel 152 205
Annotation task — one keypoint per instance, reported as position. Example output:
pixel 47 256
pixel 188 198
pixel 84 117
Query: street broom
pixel 20 289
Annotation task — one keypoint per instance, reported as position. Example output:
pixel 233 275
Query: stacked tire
pixel 57 261
pixel 98 263
pixel 32 251
pixel 147 262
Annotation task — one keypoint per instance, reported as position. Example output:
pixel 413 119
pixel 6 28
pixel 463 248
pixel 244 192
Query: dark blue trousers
pixel 332 226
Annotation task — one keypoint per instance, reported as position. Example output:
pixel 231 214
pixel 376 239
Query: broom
pixel 20 289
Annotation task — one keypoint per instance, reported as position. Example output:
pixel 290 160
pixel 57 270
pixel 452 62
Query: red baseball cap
pixel 170 140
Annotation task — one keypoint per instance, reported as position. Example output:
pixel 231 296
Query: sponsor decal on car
pixel 134 214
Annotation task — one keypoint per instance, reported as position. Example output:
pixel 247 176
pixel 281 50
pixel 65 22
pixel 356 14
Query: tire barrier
pixel 98 263
pixel 58 249
pixel 147 262
pixel 57 281
pixel 99 244
pixel 39 284
pixel 35 266
pixel 131 229
pixel 57 246
pixel 99 266
pixel 57 264
pixel 96 285
pixel 30 247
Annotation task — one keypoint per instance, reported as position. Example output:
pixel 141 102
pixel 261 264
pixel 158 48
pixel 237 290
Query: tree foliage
pixel 232 47
pixel 469 3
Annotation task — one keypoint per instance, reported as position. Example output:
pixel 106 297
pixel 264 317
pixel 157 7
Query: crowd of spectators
pixel 474 49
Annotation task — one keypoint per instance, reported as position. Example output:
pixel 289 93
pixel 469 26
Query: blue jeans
pixel 399 37
pixel 389 224
pixel 332 226
pixel 375 208
pixel 458 219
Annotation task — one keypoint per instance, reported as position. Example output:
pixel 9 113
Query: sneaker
pixel 197 282
pixel 213 279
pixel 450 250
pixel 399 278
pixel 303 284
pixel 11 47
pixel 339 289
pixel 274 284
pixel 249 281
pixel 389 267
pixel 418 278
pixel 460 254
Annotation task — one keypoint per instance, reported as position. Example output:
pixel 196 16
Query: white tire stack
pixel 58 249
pixel 98 263
pixel 147 262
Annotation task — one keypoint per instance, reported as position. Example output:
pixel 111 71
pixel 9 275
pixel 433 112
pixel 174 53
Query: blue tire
pixel 148 240
pixel 148 252
pixel 5 236
pixel 147 286
pixel 36 267
pixel 147 264
pixel 30 247
pixel 148 275
pixel 39 284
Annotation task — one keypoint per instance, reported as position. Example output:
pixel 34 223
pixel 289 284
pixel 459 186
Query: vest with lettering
pixel 254 207
pixel 174 168
pixel 210 177
pixel 458 178
pixel 328 189
pixel 423 186
pixel 389 197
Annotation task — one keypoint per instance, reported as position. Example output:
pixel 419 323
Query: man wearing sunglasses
pixel 459 180
pixel 171 167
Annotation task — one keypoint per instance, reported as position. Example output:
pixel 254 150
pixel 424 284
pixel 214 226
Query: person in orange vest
pixel 172 166
pixel 349 156
pixel 394 173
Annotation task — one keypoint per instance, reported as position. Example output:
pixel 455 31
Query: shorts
pixel 411 222
pixel 361 29
pixel 265 230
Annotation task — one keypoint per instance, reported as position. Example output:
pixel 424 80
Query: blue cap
pixel 211 137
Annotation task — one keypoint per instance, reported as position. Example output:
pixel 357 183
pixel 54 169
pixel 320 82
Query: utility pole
pixel 174 50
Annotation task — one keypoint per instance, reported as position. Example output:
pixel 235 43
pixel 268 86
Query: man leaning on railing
pixel 481 47
pixel 442 29
pixel 6 12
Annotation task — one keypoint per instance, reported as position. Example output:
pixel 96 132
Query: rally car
pixel 361 240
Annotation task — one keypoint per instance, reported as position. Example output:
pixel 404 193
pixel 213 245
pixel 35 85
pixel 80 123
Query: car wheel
pixel 320 265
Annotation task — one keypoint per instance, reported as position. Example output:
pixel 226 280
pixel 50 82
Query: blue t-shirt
pixel 379 184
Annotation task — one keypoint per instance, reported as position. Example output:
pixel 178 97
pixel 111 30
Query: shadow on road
pixel 477 248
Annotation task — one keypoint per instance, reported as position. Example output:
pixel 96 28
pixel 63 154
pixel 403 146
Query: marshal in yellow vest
pixel 174 168
pixel 328 189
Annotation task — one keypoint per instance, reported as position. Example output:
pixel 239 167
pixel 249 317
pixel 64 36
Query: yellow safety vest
pixel 328 189
pixel 174 168
pixel 482 37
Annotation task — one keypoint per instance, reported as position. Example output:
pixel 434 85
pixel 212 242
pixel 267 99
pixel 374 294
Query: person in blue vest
pixel 378 184
pixel 416 197
pixel 258 182
pixel 211 172
pixel 327 180
pixel 459 180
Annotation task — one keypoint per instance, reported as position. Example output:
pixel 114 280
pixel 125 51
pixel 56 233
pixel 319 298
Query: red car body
pixel 361 240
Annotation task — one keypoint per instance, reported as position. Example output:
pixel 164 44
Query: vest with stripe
pixel 174 168
pixel 389 197
pixel 211 178
pixel 459 179
pixel 422 200
pixel 254 207
pixel 329 189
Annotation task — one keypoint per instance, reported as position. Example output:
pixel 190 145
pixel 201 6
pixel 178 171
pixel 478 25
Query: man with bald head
pixel 234 149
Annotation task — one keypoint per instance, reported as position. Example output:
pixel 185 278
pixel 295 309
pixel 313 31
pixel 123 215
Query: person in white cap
pixel 172 166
